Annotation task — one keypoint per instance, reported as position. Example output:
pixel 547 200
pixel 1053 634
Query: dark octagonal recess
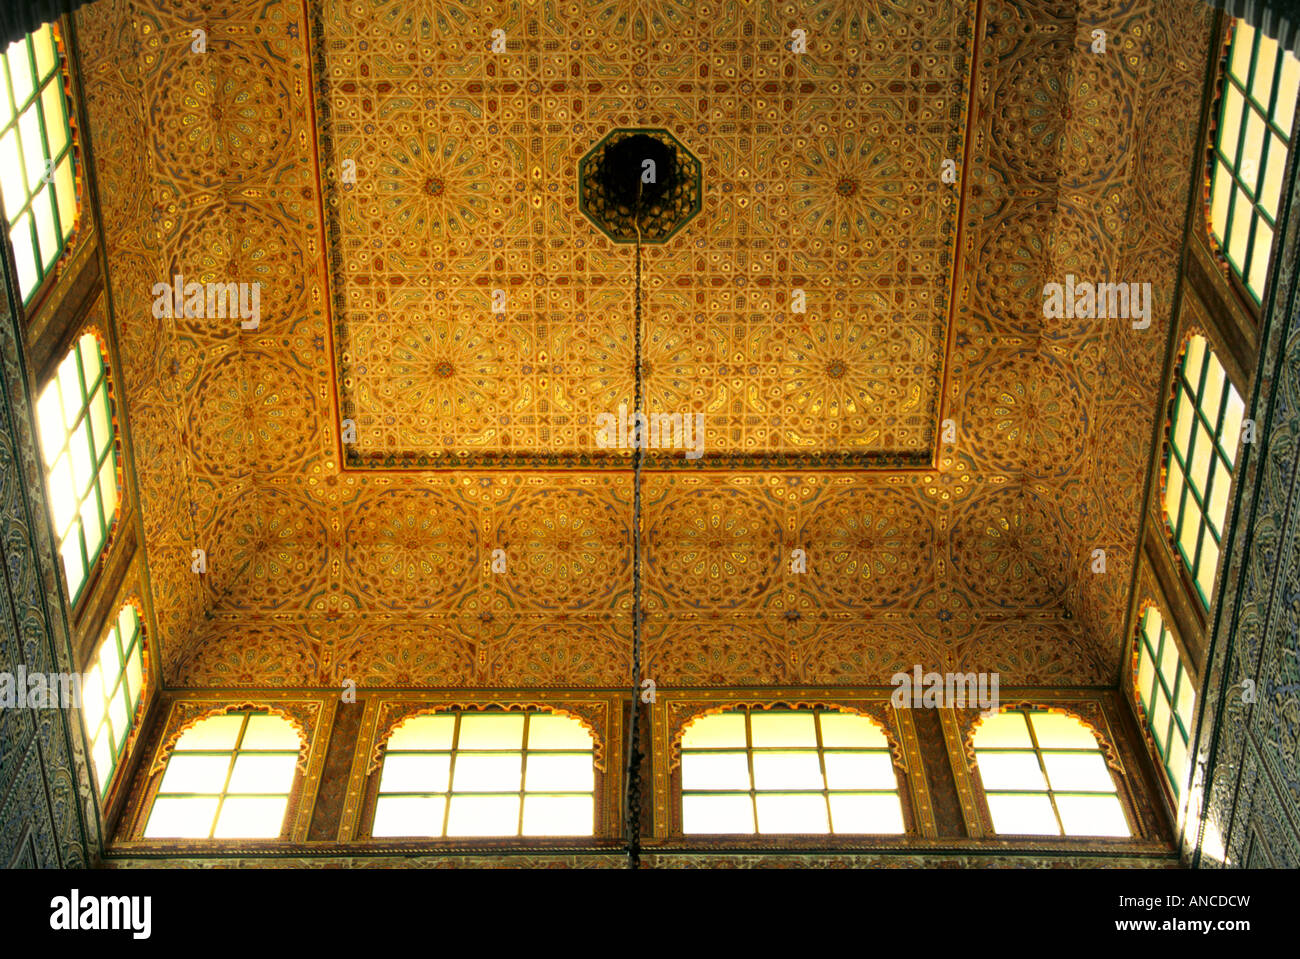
pixel 607 178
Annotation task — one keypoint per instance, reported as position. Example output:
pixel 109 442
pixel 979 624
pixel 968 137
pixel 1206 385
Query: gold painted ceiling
pixel 372 560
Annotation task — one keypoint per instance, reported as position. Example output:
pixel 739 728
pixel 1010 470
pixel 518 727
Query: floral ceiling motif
pixel 823 171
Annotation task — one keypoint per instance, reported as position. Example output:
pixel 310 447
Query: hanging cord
pixel 638 458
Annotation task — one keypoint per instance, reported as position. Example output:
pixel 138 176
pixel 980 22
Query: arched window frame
pixel 1257 100
pixel 876 715
pixel 71 377
pixel 1154 642
pixel 405 713
pixel 38 128
pixel 1101 746
pixel 1195 535
pixel 126 633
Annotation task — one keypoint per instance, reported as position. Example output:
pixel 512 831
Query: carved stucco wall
pixel 1076 162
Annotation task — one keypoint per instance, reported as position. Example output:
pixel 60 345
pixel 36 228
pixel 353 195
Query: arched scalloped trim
pixel 895 747
pixel 1091 724
pixel 164 753
pixel 395 720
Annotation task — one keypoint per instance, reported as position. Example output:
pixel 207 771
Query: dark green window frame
pixel 1159 694
pixel 1256 116
pixel 455 752
pixel 124 690
pixel 80 384
pixel 826 792
pixel 1038 751
pixel 234 753
pixel 40 194
pixel 1206 426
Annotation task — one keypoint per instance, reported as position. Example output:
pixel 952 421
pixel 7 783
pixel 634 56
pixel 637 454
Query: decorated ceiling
pixel 373 555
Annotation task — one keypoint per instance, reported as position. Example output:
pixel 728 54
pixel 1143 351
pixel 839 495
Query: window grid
pixel 1254 132
pixel 455 752
pixel 1203 439
pixel 234 753
pixel 103 692
pixel 37 163
pixel 1039 752
pixel 826 791
pixel 1177 697
pixel 75 417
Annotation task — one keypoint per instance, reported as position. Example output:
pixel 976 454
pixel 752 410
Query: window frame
pixel 1120 790
pixel 1190 397
pixel 92 566
pixel 59 77
pixel 1146 714
pixel 1233 167
pixel 454 752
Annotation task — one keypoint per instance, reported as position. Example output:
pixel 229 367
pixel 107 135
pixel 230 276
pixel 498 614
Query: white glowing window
pixel 487 774
pixel 111 691
pixel 1044 774
pixel 788 772
pixel 1166 695
pixel 1256 113
pixel 74 416
pixel 37 167
pixel 1199 461
pixel 228 777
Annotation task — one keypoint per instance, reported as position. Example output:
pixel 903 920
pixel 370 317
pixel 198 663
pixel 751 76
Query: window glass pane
pixel 20 71
pixel 43 48
pixel 715 771
pixel 548 731
pixel 48 240
pixel 1092 815
pixel 188 773
pixel 483 815
pixel 1207 565
pixel 787 770
pixel 475 773
pixel 491 731
pixel 424 732
pixel 793 814
pixel 1286 95
pixel 11 174
pixel 726 729
pixel 270 732
pixel 1177 764
pixel 782 729
pixel 254 773
pixel 251 817
pixel 1271 190
pixel 24 254
pixel 717 814
pixel 408 816
pixel 846 729
pixel 1017 770
pixel 559 815
pixel 853 813
pixel 1146 677
pixel 1004 730
pixel 418 772
pixel 1023 815
pixel 1080 772
pixel 1058 731
pixel 1260 257
pixel 216 732
pixel 181 818
pixel 1261 87
pixel 560 773
pixel 860 771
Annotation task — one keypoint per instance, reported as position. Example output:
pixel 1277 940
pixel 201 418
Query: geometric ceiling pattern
pixel 321 568
pixel 480 321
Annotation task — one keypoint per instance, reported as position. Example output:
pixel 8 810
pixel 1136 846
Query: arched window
pixel 487 774
pixel 228 777
pixel 1202 450
pixel 111 692
pixel 75 417
pixel 37 173
pixel 809 771
pixel 1044 775
pixel 1256 113
pixel 1166 695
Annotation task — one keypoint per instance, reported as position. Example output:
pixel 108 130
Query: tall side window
pixel 788 771
pixel 75 417
pixel 37 173
pixel 487 774
pixel 1202 451
pixel 228 777
pixel 1165 694
pixel 1256 114
pixel 1044 774
pixel 111 692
